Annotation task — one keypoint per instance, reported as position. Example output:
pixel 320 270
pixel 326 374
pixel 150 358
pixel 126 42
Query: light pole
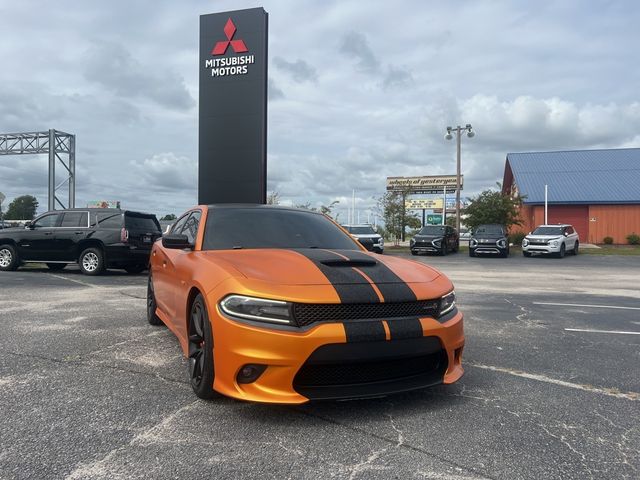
pixel 470 133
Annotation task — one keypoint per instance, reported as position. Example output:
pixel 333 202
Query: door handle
pixel 78 233
pixel 48 233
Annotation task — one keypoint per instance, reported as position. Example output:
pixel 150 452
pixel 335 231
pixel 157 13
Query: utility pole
pixel 470 133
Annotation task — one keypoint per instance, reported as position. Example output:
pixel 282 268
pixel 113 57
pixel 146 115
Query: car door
pixel 38 240
pixel 73 228
pixel 161 266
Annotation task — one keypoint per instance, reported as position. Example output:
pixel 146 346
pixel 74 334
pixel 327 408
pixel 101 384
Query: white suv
pixel 551 239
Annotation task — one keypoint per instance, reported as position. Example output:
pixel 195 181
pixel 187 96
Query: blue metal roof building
pixel 597 191
pixel 576 177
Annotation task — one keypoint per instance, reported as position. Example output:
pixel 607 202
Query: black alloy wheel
pixel 201 373
pixel 562 251
pixel 152 318
pixel 8 258
pixel 56 267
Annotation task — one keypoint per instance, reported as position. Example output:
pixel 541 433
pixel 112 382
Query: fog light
pixel 250 373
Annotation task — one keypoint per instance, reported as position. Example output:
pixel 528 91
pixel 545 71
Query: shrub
pixel 607 240
pixel 516 238
pixel 633 239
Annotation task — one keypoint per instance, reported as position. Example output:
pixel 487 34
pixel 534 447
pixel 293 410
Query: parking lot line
pixel 587 306
pixel 589 330
pixel 611 392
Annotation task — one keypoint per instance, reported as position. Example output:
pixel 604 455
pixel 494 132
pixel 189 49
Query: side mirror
pixel 29 226
pixel 176 241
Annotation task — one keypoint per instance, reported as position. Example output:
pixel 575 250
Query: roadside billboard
pixel 423 203
pixel 424 185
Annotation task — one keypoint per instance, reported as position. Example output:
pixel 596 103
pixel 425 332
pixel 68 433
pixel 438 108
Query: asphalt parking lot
pixel 89 390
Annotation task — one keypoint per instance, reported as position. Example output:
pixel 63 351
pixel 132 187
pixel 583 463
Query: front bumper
pixel 320 364
pixel 548 249
pixel 426 247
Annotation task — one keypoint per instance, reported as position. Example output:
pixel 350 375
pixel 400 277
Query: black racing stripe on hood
pixel 405 328
pixel 364 331
pixel 392 287
pixel 350 286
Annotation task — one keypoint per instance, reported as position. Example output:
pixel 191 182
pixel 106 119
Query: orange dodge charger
pixel 281 305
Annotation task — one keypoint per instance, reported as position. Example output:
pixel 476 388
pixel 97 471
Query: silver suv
pixel 551 239
pixel 367 236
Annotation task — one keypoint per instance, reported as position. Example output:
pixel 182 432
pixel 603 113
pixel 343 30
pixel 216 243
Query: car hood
pixel 12 230
pixel 365 235
pixel 488 236
pixel 318 267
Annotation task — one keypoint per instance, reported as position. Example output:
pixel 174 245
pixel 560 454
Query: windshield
pixel 490 230
pixel 432 230
pixel 548 231
pixel 367 230
pixel 234 228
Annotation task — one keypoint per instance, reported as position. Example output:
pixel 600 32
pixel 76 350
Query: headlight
pixel 473 242
pixel 258 309
pixel 525 242
pixel 553 243
pixel 381 241
pixel 502 243
pixel 447 303
pixel 436 242
pixel 412 241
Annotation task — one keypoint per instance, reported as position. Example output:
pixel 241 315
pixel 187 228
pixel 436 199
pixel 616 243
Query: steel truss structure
pixel 54 143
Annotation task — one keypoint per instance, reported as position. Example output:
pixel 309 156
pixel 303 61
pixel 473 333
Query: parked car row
pixel 492 239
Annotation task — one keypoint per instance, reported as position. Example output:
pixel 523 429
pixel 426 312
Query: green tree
pixel 22 208
pixel 273 198
pixel 395 216
pixel 492 206
pixel 169 217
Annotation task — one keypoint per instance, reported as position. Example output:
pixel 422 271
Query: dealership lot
pixel 89 390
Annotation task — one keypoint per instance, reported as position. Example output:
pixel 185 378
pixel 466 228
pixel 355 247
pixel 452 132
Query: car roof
pixel 555 225
pixel 258 205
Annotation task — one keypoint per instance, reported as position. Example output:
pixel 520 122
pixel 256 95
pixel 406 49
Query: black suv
pixel 489 239
pixel 93 238
pixel 440 239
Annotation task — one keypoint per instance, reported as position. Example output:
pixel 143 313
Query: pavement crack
pixel 394 442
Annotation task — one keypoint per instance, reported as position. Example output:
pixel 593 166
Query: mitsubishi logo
pixel 237 45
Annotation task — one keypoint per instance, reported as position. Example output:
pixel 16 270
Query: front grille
pixel 537 242
pixel 308 313
pixel 353 373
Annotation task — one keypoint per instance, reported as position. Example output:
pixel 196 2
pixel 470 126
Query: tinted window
pixel 74 219
pixel 145 223
pixel 490 230
pixel 177 227
pixel 361 230
pixel 47 221
pixel 432 230
pixel 570 230
pixel 229 228
pixel 110 220
pixel 190 228
pixel 548 231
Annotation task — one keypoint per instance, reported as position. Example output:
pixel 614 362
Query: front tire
pixel 526 254
pixel 413 252
pixel 472 253
pixel 152 318
pixel 91 261
pixel 575 248
pixel 443 249
pixel 562 251
pixel 9 260
pixel 201 372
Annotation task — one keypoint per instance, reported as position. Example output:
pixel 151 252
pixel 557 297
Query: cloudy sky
pixel 358 91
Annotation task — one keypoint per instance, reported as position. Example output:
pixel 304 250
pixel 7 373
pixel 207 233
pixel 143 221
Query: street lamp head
pixel 448 135
pixel 470 133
